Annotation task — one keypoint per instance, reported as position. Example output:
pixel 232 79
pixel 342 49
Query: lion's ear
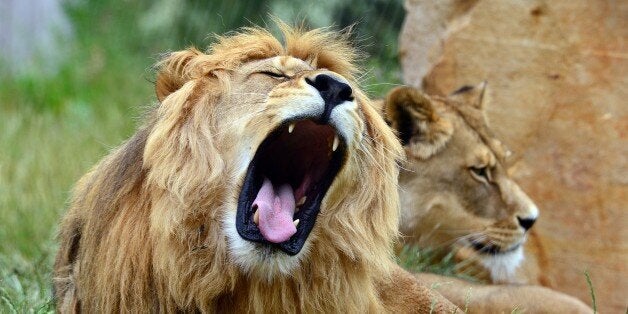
pixel 419 127
pixel 174 71
pixel 477 96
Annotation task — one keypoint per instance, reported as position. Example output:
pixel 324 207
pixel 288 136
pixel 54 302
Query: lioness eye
pixel 273 74
pixel 482 174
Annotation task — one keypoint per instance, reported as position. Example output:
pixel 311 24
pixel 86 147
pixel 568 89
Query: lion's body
pixel 455 191
pixel 151 227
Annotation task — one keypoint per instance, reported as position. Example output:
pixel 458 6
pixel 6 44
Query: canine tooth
pixel 336 142
pixel 291 128
pixel 301 201
pixel 296 222
pixel 256 217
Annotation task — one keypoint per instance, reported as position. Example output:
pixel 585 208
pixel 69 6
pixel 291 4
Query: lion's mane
pixel 145 229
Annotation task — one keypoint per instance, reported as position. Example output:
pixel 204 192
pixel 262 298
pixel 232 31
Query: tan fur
pixel 149 229
pixel 478 298
pixel 445 205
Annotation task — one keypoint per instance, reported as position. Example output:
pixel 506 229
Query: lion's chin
pixel 285 184
pixel 503 267
pixel 264 260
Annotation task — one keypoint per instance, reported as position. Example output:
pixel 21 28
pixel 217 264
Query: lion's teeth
pixel 301 201
pixel 291 127
pixel 256 217
pixel 296 222
pixel 336 142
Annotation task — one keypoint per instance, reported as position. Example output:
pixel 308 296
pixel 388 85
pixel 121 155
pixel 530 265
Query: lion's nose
pixel 333 92
pixel 526 223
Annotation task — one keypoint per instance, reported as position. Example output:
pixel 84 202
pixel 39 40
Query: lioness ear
pixel 477 96
pixel 413 115
pixel 174 72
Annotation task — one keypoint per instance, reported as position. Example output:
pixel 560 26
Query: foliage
pixel 434 260
pixel 591 290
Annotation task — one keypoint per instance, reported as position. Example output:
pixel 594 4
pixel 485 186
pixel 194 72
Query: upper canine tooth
pixel 336 142
pixel 296 222
pixel 291 128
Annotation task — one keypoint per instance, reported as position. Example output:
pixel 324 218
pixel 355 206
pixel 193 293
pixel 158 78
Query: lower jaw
pixel 259 258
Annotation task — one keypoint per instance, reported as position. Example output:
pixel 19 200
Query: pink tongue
pixel 276 212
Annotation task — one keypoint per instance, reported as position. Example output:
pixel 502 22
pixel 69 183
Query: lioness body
pixel 163 223
pixel 480 299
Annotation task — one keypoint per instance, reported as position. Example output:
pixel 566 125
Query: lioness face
pixel 456 189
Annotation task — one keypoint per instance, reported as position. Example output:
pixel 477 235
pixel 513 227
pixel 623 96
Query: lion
pixel 455 192
pixel 264 180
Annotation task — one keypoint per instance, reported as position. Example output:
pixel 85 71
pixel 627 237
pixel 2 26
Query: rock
pixel 558 72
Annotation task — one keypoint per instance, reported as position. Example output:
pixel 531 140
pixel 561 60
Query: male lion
pixel 455 191
pixel 264 181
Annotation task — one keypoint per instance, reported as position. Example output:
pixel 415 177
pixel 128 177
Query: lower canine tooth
pixel 296 222
pixel 301 201
pixel 291 128
pixel 256 217
pixel 336 142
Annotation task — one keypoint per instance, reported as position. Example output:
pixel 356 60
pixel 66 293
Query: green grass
pixel 592 291
pixel 52 130
pixel 43 154
pixel 438 261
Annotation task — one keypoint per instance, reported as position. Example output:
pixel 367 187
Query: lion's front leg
pixel 403 293
pixel 478 298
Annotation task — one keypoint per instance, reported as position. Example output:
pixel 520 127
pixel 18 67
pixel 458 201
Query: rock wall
pixel 558 73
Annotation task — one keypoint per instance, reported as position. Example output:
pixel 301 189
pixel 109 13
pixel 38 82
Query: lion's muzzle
pixel 333 91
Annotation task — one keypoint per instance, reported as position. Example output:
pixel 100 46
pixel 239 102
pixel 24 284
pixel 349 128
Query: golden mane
pixel 319 47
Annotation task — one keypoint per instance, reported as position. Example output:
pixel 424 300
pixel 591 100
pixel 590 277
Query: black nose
pixel 526 223
pixel 332 91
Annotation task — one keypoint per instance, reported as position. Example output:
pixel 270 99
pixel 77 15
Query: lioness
pixel 263 181
pixel 455 189
pixel 455 192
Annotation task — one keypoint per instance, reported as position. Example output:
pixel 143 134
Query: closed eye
pixel 274 74
pixel 482 174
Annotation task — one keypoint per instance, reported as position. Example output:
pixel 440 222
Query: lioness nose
pixel 526 223
pixel 333 92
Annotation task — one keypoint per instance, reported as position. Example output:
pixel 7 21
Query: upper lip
pixel 299 160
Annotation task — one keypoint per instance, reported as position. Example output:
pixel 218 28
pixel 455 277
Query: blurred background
pixel 75 76
pixel 557 72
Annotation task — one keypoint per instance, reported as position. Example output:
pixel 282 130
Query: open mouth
pixel 286 182
pixel 491 249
